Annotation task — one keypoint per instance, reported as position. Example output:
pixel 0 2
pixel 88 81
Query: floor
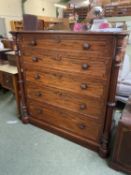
pixel 28 150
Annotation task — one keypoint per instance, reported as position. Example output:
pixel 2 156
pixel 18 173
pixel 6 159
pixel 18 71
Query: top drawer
pixel 72 43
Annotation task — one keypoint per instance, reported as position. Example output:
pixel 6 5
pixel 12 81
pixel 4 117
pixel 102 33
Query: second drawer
pixel 80 84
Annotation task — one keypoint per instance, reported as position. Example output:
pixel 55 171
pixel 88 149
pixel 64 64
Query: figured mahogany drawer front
pixel 7 80
pixel 81 85
pixel 66 100
pixel 66 120
pixel 70 43
pixel 94 67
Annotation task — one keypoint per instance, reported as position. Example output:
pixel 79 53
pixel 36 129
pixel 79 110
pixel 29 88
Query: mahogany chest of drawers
pixel 68 83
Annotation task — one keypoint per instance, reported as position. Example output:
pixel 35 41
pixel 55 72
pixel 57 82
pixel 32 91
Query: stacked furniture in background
pixel 119 8
pixel 9 71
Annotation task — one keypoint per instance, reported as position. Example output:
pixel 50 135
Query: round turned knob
pixel 83 86
pixel 34 59
pixel 82 106
pixel 37 76
pixel 82 126
pixel 86 46
pixel 33 43
pixel 38 94
pixel 85 66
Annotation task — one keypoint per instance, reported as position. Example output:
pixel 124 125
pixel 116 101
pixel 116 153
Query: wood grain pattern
pixel 65 42
pixel 78 124
pixel 66 100
pixel 97 66
pixel 78 84
pixel 67 82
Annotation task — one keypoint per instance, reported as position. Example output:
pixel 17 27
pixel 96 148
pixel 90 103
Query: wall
pixel 10 10
pixel 35 7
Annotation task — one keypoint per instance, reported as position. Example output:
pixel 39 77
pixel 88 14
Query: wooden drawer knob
pixel 82 106
pixel 38 94
pixel 84 86
pixel 86 46
pixel 37 76
pixel 85 66
pixel 82 126
pixel 35 59
pixel 33 43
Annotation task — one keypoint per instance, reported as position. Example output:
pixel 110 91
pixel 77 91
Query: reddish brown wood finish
pixel 68 83
pixel 121 159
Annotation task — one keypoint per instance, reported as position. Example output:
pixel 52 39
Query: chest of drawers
pixel 68 83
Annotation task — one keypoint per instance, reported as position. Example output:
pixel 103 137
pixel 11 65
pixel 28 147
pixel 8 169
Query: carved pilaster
pixel 120 43
pixel 24 114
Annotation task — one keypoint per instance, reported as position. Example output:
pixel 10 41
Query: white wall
pixel 35 7
pixel 10 10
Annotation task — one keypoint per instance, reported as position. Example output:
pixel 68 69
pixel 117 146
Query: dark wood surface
pixel 117 10
pixel 68 83
pixel 121 159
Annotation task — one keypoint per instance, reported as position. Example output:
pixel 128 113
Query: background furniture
pixel 40 23
pixel 16 25
pixel 3 56
pixel 121 159
pixel 9 73
pixel 124 81
pixel 9 80
pixel 31 22
pixel 82 12
pixel 117 9
pixel 76 77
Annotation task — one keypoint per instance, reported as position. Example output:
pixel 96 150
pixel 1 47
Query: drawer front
pixel 87 44
pixel 66 100
pixel 66 120
pixel 82 85
pixel 95 67
pixel 7 81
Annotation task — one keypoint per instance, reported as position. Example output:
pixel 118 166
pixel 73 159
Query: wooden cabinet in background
pixel 117 10
pixel 9 80
pixel 68 83
pixel 16 25
pixel 121 159
pixel 82 12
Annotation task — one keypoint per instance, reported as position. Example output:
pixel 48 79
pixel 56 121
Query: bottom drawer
pixel 66 120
